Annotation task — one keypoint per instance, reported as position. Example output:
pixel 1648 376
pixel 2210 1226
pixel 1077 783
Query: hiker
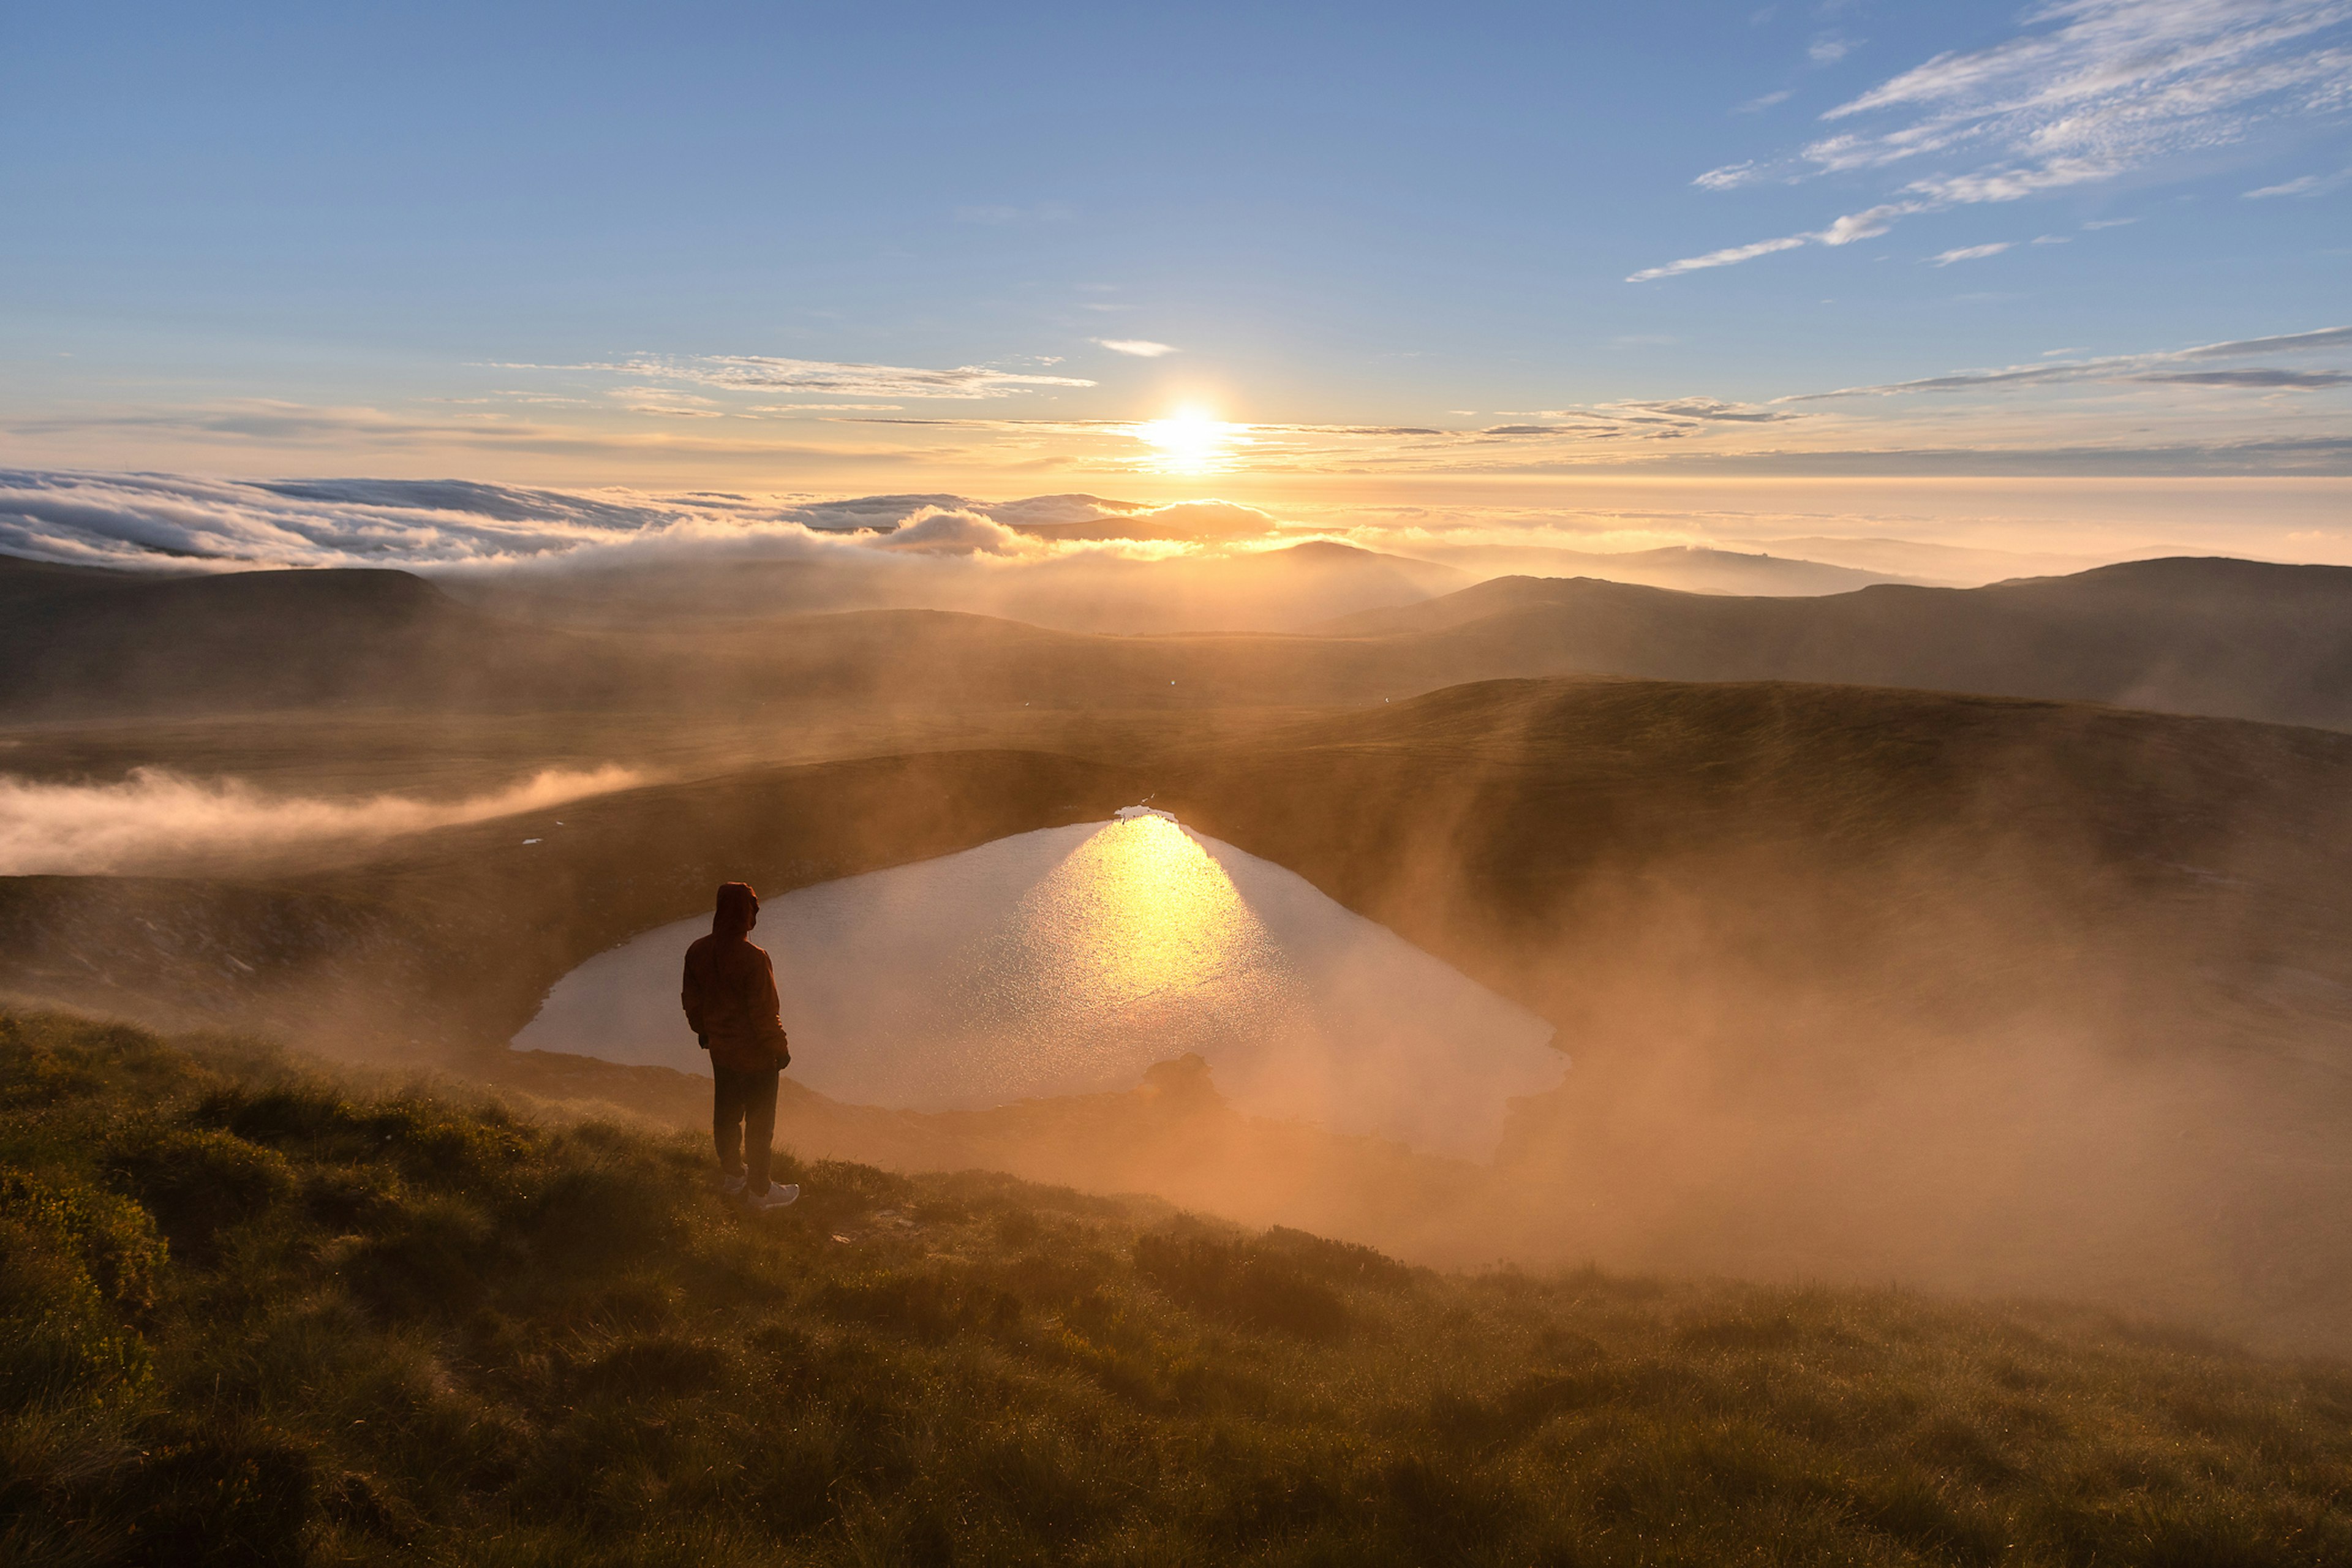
pixel 730 1004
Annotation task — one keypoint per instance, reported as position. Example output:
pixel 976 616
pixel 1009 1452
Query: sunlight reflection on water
pixel 1068 961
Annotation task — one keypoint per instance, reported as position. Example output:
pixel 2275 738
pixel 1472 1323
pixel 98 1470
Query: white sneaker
pixel 775 1197
pixel 732 1187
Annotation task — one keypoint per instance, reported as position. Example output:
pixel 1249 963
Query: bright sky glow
pixel 1189 441
pixel 1424 256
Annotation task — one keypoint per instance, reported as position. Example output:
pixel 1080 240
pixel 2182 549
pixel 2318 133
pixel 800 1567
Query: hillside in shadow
pixel 2226 637
pixel 1279 588
pixel 2241 638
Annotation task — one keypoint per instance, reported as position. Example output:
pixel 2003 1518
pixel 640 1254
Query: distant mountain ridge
pixel 2197 634
pixel 2230 638
pixel 1690 568
pixel 1283 588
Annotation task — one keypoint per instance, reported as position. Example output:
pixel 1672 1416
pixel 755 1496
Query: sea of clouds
pixel 934 545
pixel 189 523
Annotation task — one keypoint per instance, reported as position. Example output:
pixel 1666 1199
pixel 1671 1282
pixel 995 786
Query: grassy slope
pixel 252 1316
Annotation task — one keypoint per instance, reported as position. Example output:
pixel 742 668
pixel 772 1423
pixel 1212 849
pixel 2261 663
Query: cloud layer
pixel 1048 558
pixel 761 373
pixel 940 530
pixel 2133 367
pixel 2095 89
pixel 158 520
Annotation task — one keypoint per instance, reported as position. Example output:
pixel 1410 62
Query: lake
pixel 1070 960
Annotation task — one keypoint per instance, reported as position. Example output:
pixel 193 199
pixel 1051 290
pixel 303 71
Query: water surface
pixel 1066 962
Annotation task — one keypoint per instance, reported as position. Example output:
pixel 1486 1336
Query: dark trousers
pixel 743 1119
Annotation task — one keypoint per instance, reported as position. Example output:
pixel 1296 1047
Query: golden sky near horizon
pixel 1828 269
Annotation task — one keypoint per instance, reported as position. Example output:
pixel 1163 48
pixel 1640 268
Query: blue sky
pixel 821 249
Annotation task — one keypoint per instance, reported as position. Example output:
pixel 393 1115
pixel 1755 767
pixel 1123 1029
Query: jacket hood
pixel 736 906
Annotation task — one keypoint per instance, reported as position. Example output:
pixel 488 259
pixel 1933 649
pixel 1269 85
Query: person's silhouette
pixel 730 994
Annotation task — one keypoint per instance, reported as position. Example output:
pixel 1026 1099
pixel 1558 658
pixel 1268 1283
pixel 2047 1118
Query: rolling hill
pixel 97 641
pixel 2226 637
pixel 2237 637
pixel 1278 589
pixel 1686 568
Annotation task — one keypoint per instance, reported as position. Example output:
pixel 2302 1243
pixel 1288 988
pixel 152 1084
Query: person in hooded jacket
pixel 730 994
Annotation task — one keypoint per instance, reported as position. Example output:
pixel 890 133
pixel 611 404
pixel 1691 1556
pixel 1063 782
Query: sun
pixel 1189 441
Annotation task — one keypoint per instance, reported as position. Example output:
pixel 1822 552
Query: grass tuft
pixel 1252 1285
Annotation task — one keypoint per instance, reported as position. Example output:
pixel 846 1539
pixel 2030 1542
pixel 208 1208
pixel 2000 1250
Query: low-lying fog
pixel 155 820
pixel 1070 960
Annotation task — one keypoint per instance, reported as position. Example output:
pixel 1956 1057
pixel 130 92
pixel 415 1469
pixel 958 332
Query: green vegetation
pixel 248 1315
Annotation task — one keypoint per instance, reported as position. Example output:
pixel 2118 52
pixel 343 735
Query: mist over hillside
pixel 2238 637
pixel 550 1324
pixel 2230 638
pixel 1857 982
pixel 1692 569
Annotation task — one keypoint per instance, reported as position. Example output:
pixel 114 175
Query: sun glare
pixel 1189 441
pixel 1140 911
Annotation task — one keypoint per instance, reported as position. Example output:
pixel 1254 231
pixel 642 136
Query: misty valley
pixel 1876 1060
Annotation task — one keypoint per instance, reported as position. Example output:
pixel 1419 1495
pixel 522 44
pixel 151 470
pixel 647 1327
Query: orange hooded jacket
pixel 729 990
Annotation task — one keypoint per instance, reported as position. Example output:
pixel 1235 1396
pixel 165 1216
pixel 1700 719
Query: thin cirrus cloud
pixel 2095 89
pixel 1971 253
pixel 2150 368
pixel 761 373
pixel 1135 348
pixel 2305 185
pixel 2305 380
pixel 663 400
pixel 1693 410
pixel 1731 256
pixel 1661 418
